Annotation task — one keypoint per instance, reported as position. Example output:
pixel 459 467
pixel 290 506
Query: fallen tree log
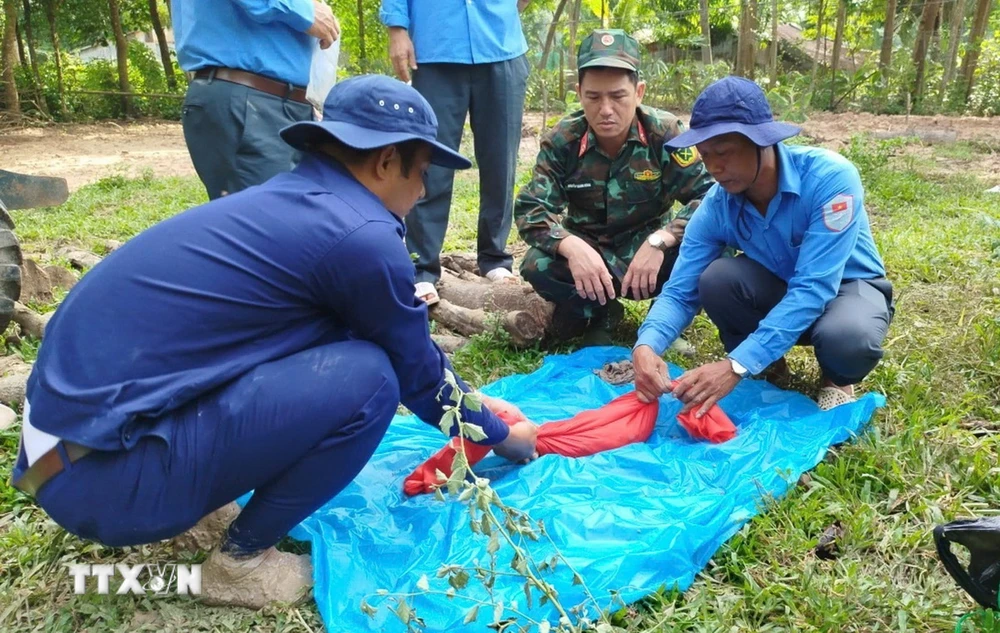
pixel 523 327
pixel 449 344
pixel 459 262
pixel 13 380
pixel 468 300
pixel 495 297
pixel 31 323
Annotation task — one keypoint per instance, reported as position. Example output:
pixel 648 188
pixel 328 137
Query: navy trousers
pixel 231 132
pixel 737 293
pixel 492 95
pixel 296 431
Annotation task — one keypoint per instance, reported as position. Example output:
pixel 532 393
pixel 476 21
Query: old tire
pixel 10 268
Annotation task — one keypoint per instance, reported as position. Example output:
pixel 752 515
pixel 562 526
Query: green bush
pixel 145 72
pixel 985 98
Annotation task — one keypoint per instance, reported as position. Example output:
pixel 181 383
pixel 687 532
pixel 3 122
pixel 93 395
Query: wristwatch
pixel 738 369
pixel 656 241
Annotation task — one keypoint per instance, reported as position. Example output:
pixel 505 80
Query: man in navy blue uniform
pixel 262 341
pixel 809 272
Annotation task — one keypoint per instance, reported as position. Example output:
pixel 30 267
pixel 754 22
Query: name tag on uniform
pixel 579 185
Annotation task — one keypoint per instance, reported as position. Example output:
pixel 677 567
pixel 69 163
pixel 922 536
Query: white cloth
pixel 36 442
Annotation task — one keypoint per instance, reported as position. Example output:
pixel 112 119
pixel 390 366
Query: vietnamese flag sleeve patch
pixel 838 212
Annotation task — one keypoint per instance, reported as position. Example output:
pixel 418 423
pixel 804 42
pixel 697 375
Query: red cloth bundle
pixel 622 421
pixel 715 426
pixel 625 420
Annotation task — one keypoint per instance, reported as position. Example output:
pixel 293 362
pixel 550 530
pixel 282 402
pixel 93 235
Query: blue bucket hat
pixel 733 104
pixel 372 111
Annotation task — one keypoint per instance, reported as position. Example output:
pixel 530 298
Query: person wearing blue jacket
pixel 260 342
pixel 808 272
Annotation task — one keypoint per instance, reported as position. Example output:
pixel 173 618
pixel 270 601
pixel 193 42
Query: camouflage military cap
pixel 612 48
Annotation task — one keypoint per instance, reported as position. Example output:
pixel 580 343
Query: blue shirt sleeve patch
pixel 838 212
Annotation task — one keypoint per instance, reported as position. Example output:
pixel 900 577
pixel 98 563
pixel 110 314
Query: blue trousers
pixel 737 293
pixel 296 431
pixel 492 95
pixel 231 132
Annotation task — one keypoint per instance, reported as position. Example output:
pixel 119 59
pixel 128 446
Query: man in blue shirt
pixel 250 60
pixel 809 272
pixel 467 57
pixel 261 342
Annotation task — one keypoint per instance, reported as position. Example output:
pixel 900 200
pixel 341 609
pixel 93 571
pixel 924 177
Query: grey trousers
pixel 231 132
pixel 737 293
pixel 493 97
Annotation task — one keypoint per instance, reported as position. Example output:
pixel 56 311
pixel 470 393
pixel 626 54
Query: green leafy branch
pixel 503 525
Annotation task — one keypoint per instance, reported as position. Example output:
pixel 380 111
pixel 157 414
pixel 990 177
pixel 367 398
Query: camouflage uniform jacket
pixel 614 202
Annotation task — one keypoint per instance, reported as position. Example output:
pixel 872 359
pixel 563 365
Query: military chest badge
pixel 647 175
pixel 685 156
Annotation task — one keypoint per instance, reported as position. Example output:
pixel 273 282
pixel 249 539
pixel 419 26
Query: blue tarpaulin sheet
pixel 630 520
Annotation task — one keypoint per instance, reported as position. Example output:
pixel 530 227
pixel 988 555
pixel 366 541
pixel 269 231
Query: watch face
pixel 655 240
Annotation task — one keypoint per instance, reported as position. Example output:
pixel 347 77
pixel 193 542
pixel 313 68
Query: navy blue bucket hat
pixel 372 111
pixel 733 104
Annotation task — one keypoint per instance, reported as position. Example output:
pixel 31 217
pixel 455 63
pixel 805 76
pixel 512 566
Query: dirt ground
pixel 85 153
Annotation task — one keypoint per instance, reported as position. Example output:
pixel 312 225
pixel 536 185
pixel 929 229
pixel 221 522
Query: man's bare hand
pixel 590 273
pixel 641 276
pixel 651 378
pixel 401 53
pixel 706 385
pixel 520 443
pixel 501 407
pixel 325 26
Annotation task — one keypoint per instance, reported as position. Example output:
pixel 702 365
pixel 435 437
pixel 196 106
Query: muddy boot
pixel 208 532
pixel 255 582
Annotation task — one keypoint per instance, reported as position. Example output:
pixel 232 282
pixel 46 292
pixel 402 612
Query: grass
pixel 930 456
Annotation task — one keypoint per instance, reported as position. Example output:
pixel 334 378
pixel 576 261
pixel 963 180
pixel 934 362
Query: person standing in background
pixel 466 57
pixel 250 60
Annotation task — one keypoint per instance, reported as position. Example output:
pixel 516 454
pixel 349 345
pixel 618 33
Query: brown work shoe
pixel 208 532
pixel 255 582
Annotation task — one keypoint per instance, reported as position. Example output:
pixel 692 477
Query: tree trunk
pixel 773 62
pixel 121 47
pixel 838 45
pixel 741 39
pixel 935 43
pixel 706 33
pixel 9 57
pixel 819 36
pixel 551 34
pixel 574 21
pixel 888 34
pixel 975 44
pixel 363 53
pixel 20 46
pixel 161 38
pixel 920 47
pixel 954 36
pixel 746 47
pixel 51 7
pixel 36 77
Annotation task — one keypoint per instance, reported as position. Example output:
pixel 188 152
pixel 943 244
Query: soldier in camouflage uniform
pixel 597 211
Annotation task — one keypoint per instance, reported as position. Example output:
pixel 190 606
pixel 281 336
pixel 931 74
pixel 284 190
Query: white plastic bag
pixel 322 73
